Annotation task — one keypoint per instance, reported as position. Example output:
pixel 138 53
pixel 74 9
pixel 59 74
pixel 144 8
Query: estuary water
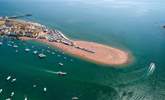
pixel 134 26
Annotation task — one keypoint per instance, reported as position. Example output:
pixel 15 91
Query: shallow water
pixel 133 26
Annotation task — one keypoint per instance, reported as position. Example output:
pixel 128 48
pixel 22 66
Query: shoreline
pixel 105 55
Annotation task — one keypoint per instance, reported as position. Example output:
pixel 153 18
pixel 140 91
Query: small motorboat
pixel 35 52
pixel 61 64
pixel 15 46
pixel 27 49
pixel 34 86
pixel 53 53
pixel 8 78
pixel 75 98
pixel 45 89
pixel 1 90
pixel 25 98
pixel 61 73
pixel 9 45
pixel 12 94
pixel 13 80
pixel 16 51
pixel 41 55
pixel 8 99
pixel 1 43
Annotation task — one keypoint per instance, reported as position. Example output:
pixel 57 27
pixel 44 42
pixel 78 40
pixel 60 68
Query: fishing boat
pixel 27 49
pixel 41 55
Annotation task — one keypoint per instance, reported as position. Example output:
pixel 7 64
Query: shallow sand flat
pixel 103 54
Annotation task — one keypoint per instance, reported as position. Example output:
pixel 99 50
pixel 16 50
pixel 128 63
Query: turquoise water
pixel 134 26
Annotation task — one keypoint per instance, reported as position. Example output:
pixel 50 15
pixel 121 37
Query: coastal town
pixel 23 29
pixel 20 28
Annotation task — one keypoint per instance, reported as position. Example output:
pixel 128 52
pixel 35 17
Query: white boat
pixel 25 98
pixel 35 52
pixel 151 68
pixel 8 78
pixel 34 85
pixel 15 46
pixel 27 50
pixel 1 43
pixel 9 45
pixel 12 94
pixel 45 89
pixel 48 51
pixel 53 53
pixel 75 98
pixel 1 90
pixel 13 80
pixel 16 51
pixel 61 73
pixel 41 55
pixel 61 64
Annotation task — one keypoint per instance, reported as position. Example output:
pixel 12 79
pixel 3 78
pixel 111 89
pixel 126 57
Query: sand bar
pixel 103 54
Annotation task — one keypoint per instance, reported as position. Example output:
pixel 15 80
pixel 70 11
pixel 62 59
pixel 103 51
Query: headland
pixel 91 51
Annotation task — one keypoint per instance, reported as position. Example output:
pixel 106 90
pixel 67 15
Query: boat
pixel 35 52
pixel 1 90
pixel 9 45
pixel 15 46
pixel 13 80
pixel 16 51
pixel 8 78
pixel 45 89
pixel 48 51
pixel 34 85
pixel 12 94
pixel 151 68
pixel 41 55
pixel 27 50
pixel 1 43
pixel 75 98
pixel 61 64
pixel 25 98
pixel 60 73
pixel 8 99
pixel 53 53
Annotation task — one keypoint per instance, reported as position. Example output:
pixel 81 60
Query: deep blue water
pixel 135 26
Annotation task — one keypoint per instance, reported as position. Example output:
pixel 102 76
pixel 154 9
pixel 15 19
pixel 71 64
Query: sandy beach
pixel 103 54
